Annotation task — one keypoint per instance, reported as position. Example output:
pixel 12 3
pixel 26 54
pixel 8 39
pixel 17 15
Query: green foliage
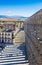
pixel 1 27
pixel 4 21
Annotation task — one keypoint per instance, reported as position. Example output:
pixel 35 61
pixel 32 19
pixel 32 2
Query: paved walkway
pixel 19 36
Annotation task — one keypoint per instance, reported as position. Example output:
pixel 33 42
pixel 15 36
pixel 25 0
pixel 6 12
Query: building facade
pixel 9 26
pixel 6 37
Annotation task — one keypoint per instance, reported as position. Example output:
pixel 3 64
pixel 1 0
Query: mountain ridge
pixel 4 16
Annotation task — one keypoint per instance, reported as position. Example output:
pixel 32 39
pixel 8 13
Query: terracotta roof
pixel 1 24
pixel 10 19
pixel 9 22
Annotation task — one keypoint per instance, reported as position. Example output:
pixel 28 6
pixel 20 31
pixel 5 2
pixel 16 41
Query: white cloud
pixel 8 11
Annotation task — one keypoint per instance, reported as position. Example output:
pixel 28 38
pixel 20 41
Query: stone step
pixel 12 58
pixel 17 64
pixel 12 46
pixel 10 50
pixel 13 51
pixel 12 54
pixel 13 62
pixel 22 64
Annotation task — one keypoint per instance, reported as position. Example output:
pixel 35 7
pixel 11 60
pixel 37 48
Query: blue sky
pixel 19 7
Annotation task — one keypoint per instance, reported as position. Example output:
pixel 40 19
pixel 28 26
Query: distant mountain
pixel 18 17
pixel 3 16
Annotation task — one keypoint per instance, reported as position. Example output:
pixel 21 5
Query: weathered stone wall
pixel 33 40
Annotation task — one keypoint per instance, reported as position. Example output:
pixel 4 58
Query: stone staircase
pixel 13 55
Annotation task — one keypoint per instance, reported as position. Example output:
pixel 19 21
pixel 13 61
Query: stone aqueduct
pixel 33 38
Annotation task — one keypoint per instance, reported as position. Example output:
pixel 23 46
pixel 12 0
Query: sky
pixel 19 7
